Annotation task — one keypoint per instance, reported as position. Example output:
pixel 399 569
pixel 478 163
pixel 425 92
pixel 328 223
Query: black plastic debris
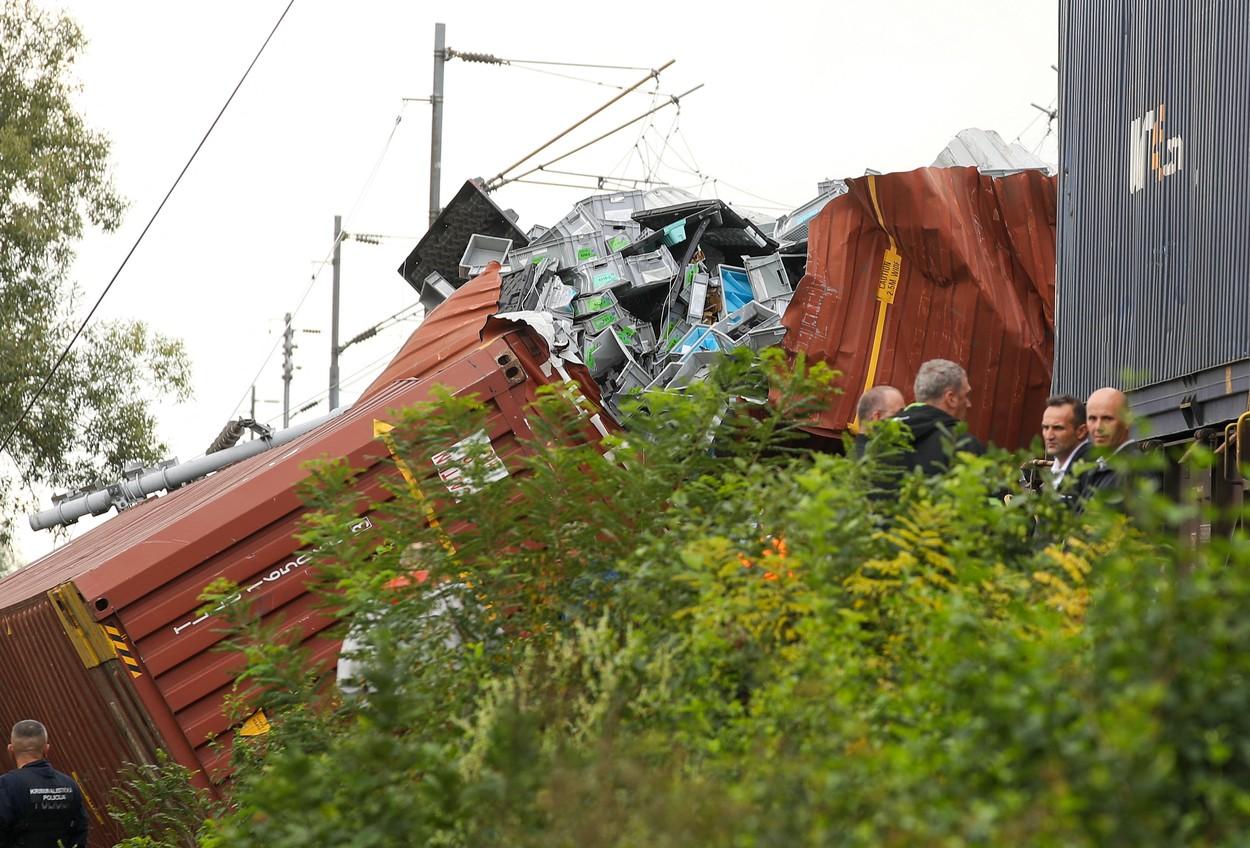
pixel 471 212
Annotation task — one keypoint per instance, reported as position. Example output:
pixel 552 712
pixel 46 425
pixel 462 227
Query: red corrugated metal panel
pixel 977 286
pixel 95 723
pixel 145 569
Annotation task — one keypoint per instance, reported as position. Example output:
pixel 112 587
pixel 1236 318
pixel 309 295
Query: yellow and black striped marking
pixel 123 649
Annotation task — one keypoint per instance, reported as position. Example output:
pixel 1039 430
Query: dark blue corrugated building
pixel 1154 233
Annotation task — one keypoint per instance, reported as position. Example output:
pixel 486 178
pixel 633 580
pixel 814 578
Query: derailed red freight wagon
pixel 942 263
pixel 101 639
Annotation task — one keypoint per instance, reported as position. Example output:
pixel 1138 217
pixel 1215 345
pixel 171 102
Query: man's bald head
pixel 878 403
pixel 28 740
pixel 1106 414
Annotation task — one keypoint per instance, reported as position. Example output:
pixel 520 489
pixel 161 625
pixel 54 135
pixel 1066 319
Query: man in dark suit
pixel 1115 452
pixel 1064 433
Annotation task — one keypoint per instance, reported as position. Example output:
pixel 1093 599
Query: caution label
pixel 256 725
pixel 123 650
pixel 891 271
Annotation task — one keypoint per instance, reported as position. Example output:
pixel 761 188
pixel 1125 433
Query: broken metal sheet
pixel 986 151
pixel 557 332
pixel 792 227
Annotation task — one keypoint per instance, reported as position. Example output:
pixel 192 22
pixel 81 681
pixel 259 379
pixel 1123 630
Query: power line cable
pixel 569 77
pixel 681 133
pixel 498 180
pixel 599 83
pixel 83 326
pixel 575 65
pixel 1037 149
pixel 1048 112
pixel 552 184
pixel 623 164
pixel 601 177
pixel 321 266
pixel 355 377
pixel 664 146
pixel 368 238
pixel 776 204
pixel 377 327
pixel 672 101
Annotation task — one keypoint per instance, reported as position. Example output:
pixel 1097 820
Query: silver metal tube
pixel 124 491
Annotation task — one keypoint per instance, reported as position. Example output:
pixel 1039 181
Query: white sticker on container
pixel 453 464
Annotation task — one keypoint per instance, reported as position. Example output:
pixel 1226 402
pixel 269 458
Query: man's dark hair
pixel 1078 406
pixel 28 737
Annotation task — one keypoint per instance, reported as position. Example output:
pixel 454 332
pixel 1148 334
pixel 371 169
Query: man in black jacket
pixel 39 806
pixel 943 396
pixel 1114 448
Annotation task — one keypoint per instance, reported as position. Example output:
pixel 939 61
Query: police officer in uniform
pixel 39 806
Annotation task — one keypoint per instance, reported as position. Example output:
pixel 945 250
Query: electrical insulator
pixel 288 348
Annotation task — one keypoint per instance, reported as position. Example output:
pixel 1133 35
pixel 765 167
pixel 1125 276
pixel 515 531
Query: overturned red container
pixel 102 639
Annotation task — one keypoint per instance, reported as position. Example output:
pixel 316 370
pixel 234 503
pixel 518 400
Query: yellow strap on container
pixel 87 798
pixel 382 430
pixel 887 287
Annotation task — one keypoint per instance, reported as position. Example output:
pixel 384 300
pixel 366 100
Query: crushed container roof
pixel 976 285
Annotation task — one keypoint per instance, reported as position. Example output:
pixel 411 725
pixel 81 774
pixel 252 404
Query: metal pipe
pixel 436 121
pixel 1241 419
pixel 1230 436
pixel 498 180
pixel 130 491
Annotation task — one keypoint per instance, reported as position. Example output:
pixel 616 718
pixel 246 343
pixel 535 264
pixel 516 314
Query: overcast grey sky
pixel 793 93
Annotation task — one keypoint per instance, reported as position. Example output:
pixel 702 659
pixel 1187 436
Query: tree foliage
pixel 709 636
pixel 96 413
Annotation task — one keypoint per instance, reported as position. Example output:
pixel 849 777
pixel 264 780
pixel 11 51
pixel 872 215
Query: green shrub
pixel 713 637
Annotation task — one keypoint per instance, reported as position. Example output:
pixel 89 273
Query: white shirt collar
pixel 1059 469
